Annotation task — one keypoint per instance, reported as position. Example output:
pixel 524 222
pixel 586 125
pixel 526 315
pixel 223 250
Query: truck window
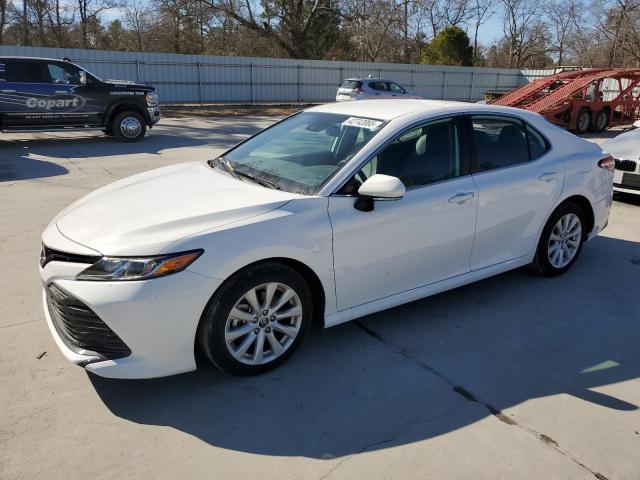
pixel 24 72
pixel 66 74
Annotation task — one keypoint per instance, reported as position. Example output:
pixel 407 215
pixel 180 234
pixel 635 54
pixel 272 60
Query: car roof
pixel 39 59
pixel 368 80
pixel 390 109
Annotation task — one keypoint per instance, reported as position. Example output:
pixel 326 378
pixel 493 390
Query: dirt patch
pixel 225 110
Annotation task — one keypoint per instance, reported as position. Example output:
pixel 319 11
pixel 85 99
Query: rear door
pixel 379 89
pixel 518 180
pixel 22 88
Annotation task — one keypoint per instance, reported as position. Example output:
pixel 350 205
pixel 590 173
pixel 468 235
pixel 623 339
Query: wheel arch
pixel 122 106
pixel 585 205
pixel 309 275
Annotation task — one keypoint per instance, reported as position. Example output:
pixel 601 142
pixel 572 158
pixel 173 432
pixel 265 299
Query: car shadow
pixel 409 373
pixel 24 157
pixel 629 198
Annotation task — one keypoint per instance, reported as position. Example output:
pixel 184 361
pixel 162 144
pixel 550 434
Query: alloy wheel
pixel 263 323
pixel 564 240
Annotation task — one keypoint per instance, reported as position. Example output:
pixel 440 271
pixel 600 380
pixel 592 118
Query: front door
pixel 422 238
pixel 71 102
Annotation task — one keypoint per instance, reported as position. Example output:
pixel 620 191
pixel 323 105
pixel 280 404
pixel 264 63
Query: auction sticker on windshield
pixel 360 122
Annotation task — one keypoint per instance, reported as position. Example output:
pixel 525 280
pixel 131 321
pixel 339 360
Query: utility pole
pixel 25 23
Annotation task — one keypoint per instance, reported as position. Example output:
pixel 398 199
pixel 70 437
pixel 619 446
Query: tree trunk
pixel 3 16
pixel 25 22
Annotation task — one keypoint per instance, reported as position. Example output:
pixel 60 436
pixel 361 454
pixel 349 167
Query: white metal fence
pixel 202 78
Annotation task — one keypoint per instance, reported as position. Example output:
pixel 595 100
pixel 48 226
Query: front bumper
pixel 156 319
pixel 153 115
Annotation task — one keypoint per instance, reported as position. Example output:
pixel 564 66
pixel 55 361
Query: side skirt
pixel 424 291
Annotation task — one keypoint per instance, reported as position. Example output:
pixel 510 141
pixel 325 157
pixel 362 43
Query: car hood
pixel 129 84
pixel 625 146
pixel 144 214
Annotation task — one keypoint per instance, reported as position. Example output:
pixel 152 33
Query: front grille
pixel 49 255
pixel 80 328
pixel 625 165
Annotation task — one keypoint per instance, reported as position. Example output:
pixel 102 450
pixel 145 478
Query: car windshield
pixel 302 152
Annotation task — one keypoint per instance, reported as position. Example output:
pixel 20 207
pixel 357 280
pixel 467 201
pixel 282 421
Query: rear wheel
pixel 561 241
pixel 256 320
pixel 129 126
pixel 583 120
pixel 601 121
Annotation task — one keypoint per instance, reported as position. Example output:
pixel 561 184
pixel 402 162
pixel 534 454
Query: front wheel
pixel 256 320
pixel 129 126
pixel 561 241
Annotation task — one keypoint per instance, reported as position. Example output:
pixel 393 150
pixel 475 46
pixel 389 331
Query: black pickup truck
pixel 46 94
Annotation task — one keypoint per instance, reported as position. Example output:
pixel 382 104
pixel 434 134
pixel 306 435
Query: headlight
pixel 152 99
pixel 138 268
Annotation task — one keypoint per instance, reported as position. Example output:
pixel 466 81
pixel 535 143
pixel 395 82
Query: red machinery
pixel 582 100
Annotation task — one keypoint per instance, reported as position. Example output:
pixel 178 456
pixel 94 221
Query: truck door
pixel 22 87
pixel 71 102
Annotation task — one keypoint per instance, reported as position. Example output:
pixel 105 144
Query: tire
pixel 129 126
pixel 601 122
pixel 546 261
pixel 231 341
pixel 583 120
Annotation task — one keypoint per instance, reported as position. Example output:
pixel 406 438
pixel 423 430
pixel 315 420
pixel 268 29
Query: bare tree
pixel 560 17
pixel 524 30
pixel 89 11
pixel 481 11
pixel 291 24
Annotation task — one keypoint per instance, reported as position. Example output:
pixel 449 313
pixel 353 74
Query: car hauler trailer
pixel 582 100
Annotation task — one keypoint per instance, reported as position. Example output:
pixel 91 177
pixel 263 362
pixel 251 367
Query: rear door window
pixel 538 145
pixel 378 86
pixel 500 142
pixel 24 72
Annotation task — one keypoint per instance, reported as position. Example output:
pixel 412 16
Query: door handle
pixel 60 91
pixel 462 197
pixel 547 176
pixel 7 91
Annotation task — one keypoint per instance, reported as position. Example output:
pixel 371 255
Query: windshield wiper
pixel 261 181
pixel 226 164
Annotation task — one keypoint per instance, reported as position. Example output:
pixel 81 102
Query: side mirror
pixel 381 188
pixel 83 77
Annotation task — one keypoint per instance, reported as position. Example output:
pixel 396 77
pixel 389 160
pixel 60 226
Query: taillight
pixel 608 163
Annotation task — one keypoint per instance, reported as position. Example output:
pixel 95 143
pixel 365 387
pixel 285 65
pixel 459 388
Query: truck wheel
pixel 601 122
pixel 129 126
pixel 583 120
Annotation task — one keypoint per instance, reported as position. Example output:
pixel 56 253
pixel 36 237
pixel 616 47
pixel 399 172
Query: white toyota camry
pixel 331 214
